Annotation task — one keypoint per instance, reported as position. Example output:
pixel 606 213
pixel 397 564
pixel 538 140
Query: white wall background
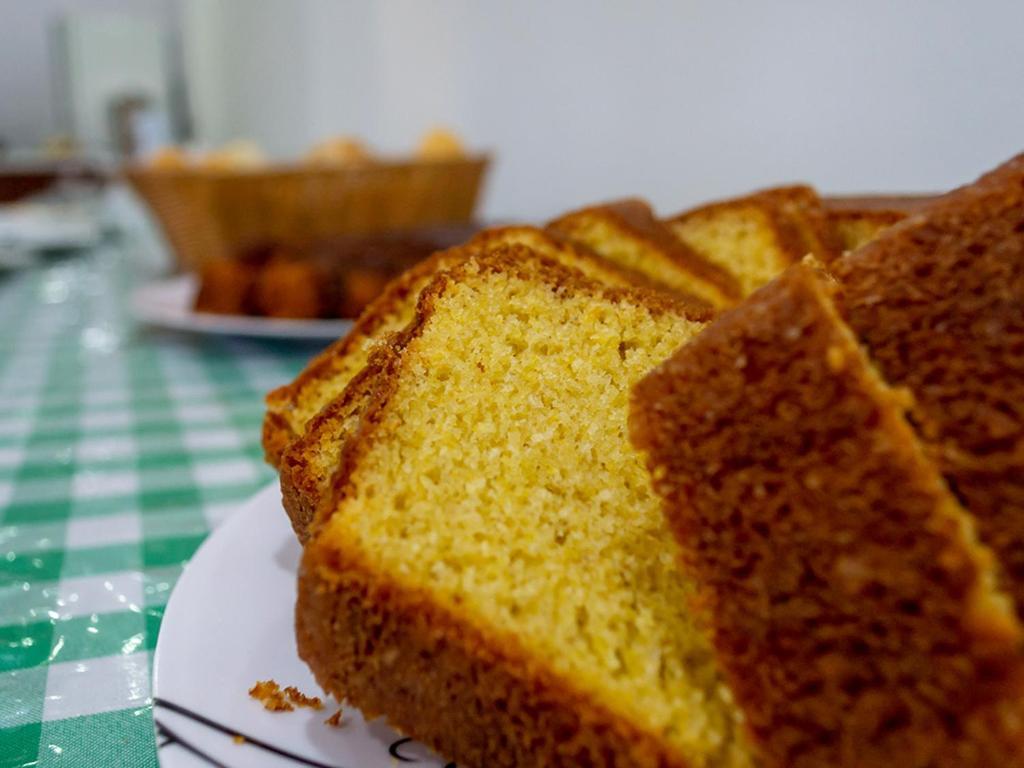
pixel 590 99
pixel 29 108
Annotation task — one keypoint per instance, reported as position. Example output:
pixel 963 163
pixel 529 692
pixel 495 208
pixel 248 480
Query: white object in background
pixel 168 303
pixel 102 58
pixel 230 622
pixel 44 226
pixel 151 129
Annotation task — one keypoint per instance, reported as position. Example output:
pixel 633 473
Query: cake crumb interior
pixel 501 479
pixel 740 239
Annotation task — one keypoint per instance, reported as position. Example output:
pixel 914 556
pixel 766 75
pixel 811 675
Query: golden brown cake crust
pixel 615 274
pixel 389 649
pixel 879 216
pixel 938 300
pixel 854 227
pixel 635 216
pixel 904 204
pixel 300 485
pixel 277 433
pixel 800 207
pixel 854 617
pixel 476 699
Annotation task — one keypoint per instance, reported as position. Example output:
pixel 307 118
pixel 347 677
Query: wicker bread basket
pixel 209 214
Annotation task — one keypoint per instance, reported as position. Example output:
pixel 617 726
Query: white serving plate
pixel 230 623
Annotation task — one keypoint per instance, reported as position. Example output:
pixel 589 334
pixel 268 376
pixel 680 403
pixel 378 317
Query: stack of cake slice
pixel 620 243
pixel 304 424
pixel 863 613
pixel 627 233
pixel 853 610
pixel 490 566
pixel 759 235
pixel 496 576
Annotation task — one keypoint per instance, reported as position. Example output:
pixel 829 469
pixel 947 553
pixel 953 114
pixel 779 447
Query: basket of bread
pixel 226 201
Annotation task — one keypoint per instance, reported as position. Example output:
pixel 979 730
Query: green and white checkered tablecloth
pixel 120 449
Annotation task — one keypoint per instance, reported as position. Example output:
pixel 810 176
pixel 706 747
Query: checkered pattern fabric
pixel 120 449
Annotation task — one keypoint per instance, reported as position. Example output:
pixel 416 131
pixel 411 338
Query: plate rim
pixel 161 642
pixel 170 713
pixel 166 303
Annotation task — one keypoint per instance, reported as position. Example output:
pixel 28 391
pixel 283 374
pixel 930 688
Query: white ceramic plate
pixel 168 303
pixel 230 623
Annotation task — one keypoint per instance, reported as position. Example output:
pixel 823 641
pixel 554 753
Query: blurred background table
pixel 121 448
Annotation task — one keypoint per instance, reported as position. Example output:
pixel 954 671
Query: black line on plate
pixel 232 732
pixel 163 738
pixel 393 750
pixel 173 738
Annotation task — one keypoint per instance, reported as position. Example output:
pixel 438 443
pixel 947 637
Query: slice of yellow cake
pixel 627 233
pixel 759 235
pixel 851 604
pixel 497 578
pixel 315 434
pixel 291 406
